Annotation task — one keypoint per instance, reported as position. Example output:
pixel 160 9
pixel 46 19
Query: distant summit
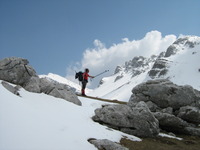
pixel 180 63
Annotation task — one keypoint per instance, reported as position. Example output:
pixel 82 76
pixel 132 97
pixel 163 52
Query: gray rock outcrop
pixel 155 104
pixel 136 120
pixel 188 113
pixel 17 71
pixel 58 90
pixel 105 144
pixel 11 88
pixel 177 108
pixel 165 94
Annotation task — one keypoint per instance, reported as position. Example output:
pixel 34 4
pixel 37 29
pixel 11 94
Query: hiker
pixel 85 81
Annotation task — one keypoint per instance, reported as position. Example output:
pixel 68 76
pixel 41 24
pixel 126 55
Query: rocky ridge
pixel 17 71
pixel 179 63
pixel 163 63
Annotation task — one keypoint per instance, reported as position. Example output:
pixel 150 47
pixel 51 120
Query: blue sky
pixel 54 34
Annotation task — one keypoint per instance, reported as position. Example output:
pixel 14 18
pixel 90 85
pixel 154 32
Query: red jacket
pixel 85 76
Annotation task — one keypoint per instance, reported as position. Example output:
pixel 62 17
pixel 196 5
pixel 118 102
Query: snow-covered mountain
pixel 180 63
pixel 40 121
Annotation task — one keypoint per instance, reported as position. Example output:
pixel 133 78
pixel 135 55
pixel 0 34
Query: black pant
pixel 84 83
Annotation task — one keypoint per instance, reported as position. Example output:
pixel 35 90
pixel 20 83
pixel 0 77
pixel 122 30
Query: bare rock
pixel 190 114
pixel 165 94
pixel 16 70
pixel 137 120
pixel 105 144
pixel 58 90
pixel 10 88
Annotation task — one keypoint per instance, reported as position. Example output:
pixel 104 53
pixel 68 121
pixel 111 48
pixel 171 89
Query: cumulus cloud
pixel 100 58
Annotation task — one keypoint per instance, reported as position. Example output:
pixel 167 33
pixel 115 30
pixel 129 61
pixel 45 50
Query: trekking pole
pixel 101 73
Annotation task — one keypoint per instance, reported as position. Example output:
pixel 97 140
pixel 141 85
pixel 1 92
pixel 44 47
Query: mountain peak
pixel 179 63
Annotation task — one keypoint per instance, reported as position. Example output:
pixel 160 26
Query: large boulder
pixel 136 120
pixel 16 70
pixel 177 108
pixel 58 90
pixel 190 114
pixel 165 94
pixel 170 122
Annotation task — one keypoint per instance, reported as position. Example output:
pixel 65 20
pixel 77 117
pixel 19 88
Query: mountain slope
pixel 42 122
pixel 180 63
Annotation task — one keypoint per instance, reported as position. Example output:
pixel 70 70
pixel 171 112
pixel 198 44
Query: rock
pixel 58 90
pixel 192 131
pixel 33 85
pixel 172 50
pixel 10 88
pixel 16 70
pixel 136 120
pixel 167 110
pixel 190 114
pixel 118 69
pixel 175 107
pixel 175 124
pixel 170 123
pixel 165 94
pixel 105 144
pixel 118 77
pixel 153 107
pixel 65 94
pixel 159 68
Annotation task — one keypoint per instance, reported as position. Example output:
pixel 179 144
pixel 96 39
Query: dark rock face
pixel 177 108
pixel 136 66
pixel 171 51
pixel 159 68
pixel 136 120
pixel 17 71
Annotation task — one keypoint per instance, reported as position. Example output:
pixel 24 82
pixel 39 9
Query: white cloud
pixel 100 58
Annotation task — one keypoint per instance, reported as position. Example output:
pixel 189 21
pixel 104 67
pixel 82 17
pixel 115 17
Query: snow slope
pixel 42 122
pixel 183 67
pixel 121 89
pixel 119 85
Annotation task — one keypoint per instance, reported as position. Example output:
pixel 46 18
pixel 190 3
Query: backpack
pixel 79 75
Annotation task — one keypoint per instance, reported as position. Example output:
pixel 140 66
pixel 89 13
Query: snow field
pixel 41 122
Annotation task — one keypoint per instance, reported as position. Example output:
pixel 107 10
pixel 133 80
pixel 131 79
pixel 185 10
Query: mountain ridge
pixel 179 63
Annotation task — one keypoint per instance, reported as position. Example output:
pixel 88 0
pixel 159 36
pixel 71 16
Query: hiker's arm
pixel 91 76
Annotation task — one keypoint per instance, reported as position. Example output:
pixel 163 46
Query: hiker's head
pixel 87 70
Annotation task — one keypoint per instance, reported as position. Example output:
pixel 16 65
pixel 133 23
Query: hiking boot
pixel 83 95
